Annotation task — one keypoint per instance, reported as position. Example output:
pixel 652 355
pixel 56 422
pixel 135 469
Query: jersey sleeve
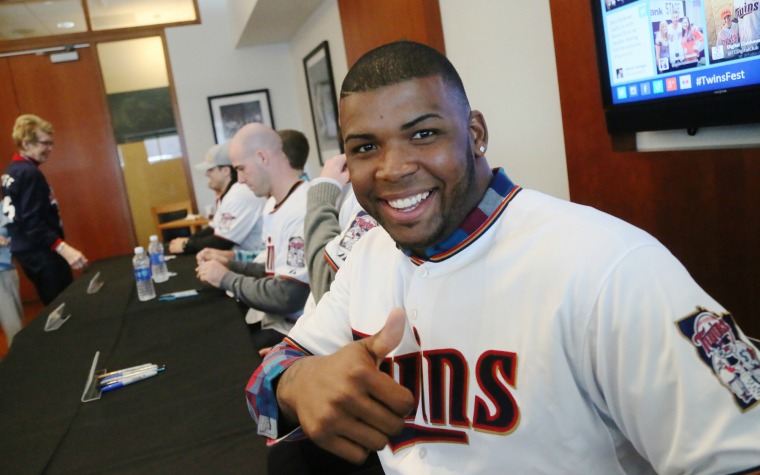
pixel 320 226
pixel 29 196
pixel 238 214
pixel 327 328
pixel 267 294
pixel 261 395
pixel 324 330
pixel 206 238
pixel 290 251
pixel 669 366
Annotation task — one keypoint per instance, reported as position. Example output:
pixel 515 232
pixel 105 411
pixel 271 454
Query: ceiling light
pixel 65 25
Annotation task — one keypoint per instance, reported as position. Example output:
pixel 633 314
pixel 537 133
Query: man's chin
pixel 414 241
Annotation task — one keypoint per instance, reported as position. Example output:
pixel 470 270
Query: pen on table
pixel 129 374
pixel 120 372
pixel 111 385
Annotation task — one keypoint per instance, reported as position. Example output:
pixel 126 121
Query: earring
pixel 482 149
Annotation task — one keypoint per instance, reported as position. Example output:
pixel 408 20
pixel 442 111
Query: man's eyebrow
pixel 419 119
pixel 405 126
pixel 359 137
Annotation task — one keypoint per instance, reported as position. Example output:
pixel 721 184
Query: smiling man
pixel 485 327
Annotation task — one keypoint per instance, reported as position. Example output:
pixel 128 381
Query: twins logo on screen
pixel 734 361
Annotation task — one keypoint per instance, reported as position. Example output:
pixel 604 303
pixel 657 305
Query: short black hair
pixel 401 61
pixel 295 145
pixel 233 173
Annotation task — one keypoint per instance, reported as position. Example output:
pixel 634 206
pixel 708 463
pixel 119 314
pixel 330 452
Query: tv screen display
pixel 668 64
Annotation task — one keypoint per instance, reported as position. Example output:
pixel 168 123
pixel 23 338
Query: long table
pixel 191 418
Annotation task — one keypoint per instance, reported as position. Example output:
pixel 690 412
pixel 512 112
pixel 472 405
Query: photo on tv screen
pixel 664 48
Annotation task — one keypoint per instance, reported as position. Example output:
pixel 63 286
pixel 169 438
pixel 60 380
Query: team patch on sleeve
pixel 296 252
pixel 337 250
pixel 226 222
pixel 734 361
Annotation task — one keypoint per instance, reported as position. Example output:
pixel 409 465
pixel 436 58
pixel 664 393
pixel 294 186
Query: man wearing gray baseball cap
pixel 237 220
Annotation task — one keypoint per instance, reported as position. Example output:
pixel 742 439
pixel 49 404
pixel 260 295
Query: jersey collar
pixel 495 200
pixel 23 158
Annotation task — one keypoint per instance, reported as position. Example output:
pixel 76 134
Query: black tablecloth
pixel 191 418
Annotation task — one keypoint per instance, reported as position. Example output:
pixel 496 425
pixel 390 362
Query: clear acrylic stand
pixel 54 320
pixel 91 392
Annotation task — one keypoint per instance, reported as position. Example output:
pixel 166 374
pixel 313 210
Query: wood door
pixel 83 169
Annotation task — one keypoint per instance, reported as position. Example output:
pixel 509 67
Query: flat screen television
pixel 678 64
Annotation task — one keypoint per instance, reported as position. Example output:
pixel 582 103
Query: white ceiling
pixel 29 19
pixel 275 21
pixel 269 22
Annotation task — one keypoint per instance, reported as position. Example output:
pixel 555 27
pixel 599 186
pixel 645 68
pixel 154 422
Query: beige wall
pixel 150 184
pixel 133 65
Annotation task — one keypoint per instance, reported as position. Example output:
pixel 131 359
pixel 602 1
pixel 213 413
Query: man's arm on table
pixel 278 295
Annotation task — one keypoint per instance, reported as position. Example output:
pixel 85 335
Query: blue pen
pixel 125 373
pixel 131 379
pixel 131 374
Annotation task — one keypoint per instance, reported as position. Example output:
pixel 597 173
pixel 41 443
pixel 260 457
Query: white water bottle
pixel 141 263
pixel 157 262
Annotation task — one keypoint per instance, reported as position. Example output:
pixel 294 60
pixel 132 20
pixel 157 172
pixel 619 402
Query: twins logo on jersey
pixel 296 252
pixel 446 395
pixel 359 227
pixel 735 362
pixel 225 222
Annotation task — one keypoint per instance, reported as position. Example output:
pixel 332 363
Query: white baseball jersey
pixel 284 256
pixel 239 218
pixel 354 223
pixel 748 14
pixel 561 340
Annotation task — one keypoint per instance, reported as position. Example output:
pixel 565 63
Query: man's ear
pixel 478 133
pixel 262 156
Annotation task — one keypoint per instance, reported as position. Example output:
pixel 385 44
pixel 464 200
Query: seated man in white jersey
pixel 295 146
pixel 485 327
pixel 237 220
pixel 276 285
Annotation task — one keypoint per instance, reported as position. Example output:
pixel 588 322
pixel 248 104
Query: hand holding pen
pixel 117 379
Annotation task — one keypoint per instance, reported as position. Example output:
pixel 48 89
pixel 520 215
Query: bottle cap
pixel 139 250
pixel 153 237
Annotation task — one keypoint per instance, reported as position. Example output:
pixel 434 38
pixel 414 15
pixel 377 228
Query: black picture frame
pixel 323 102
pixel 230 112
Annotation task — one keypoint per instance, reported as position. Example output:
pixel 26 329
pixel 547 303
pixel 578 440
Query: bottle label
pixel 142 273
pixel 156 259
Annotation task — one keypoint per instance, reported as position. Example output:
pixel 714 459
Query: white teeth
pixel 410 202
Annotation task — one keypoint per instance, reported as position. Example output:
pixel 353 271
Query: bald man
pixel 276 285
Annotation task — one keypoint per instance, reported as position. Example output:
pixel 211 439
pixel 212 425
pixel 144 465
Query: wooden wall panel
pixel 703 205
pixel 367 24
pixel 8 112
pixel 84 169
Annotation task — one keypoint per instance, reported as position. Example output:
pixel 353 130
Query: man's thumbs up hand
pixel 342 401
pixel 388 338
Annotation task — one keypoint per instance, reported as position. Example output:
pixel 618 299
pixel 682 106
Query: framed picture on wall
pixel 323 102
pixel 230 112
